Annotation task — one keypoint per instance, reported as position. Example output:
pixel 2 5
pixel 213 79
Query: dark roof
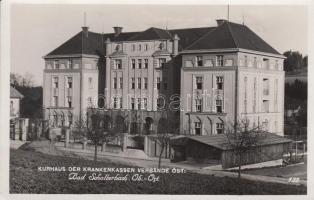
pixel 152 34
pixel 15 94
pixel 232 35
pixel 221 141
pixel 227 35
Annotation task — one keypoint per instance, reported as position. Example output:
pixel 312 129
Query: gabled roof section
pixel 152 34
pixel 15 94
pixel 232 35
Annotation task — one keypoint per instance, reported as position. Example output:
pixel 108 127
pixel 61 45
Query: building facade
pixel 222 74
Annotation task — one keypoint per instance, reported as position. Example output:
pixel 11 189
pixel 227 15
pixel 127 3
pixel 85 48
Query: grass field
pixel 25 178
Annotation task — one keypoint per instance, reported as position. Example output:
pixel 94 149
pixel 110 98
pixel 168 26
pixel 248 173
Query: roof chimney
pixel 220 21
pixel 85 30
pixel 117 30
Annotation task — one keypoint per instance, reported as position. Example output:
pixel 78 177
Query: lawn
pixel 25 178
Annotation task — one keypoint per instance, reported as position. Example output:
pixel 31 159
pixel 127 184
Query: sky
pixel 38 29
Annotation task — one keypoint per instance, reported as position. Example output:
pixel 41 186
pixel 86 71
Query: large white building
pixel 222 74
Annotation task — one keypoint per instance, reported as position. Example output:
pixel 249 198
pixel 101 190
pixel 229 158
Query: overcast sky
pixel 38 29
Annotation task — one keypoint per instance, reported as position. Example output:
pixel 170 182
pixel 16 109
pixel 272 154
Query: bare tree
pixel 243 138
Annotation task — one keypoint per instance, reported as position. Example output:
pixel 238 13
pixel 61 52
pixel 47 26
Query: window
pixel 133 47
pixel 69 82
pixel 219 128
pixel 199 83
pixel 121 102
pixel 56 64
pixel 133 63
pixel 139 104
pixel 245 61
pixel 199 60
pixel 197 126
pixel 254 95
pixel 133 83
pixel 55 82
pixel 265 106
pixel 69 100
pixel 276 65
pixel 70 64
pixel 265 124
pixel 158 83
pixel 121 82
pixel 265 63
pixel 55 120
pixel 132 103
pixel 266 86
pixel 219 60
pixel 162 62
pixel 145 103
pixel 115 83
pixel 140 47
pixel 146 63
pixel 145 83
pixel 55 101
pixel 139 83
pixel 118 64
pixel 139 63
pixel 255 62
pixel 146 47
pixel 198 105
pixel 90 83
pixel 115 102
pixel 219 82
pixel 219 106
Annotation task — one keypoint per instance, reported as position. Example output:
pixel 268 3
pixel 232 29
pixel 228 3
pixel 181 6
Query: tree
pixel 243 138
pixel 27 80
pixel 293 61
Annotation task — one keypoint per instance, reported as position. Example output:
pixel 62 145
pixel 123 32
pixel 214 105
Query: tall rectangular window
pixel 199 61
pixel 69 101
pixel 139 63
pixel 158 83
pixel 139 104
pixel 254 95
pixel 245 94
pixel 132 103
pixel 140 47
pixel 145 103
pixel 220 60
pixel 139 83
pixel 219 128
pixel 115 84
pixel 266 86
pixel 70 64
pixel 199 82
pixel 219 106
pixel 132 83
pixel 56 64
pixel 118 64
pixel 162 62
pixel 146 47
pixel 115 102
pixel 133 47
pixel 197 128
pixel 219 82
pixel 146 63
pixel 255 62
pixel 70 119
pixel 121 102
pixel 121 83
pixel 133 63
pixel 198 105
pixel 55 101
pixel 55 83
pixel 69 82
pixel 145 83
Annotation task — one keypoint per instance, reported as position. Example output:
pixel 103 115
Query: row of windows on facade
pixel 69 65
pixel 140 47
pixel 198 128
pixel 136 103
pixel 199 105
pixel 60 118
pixel 199 82
pixel 139 64
pixel 139 83
pixel 220 61
pixel 69 82
pixel 68 101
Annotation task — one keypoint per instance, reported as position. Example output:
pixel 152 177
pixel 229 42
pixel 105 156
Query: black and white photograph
pixel 155 99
